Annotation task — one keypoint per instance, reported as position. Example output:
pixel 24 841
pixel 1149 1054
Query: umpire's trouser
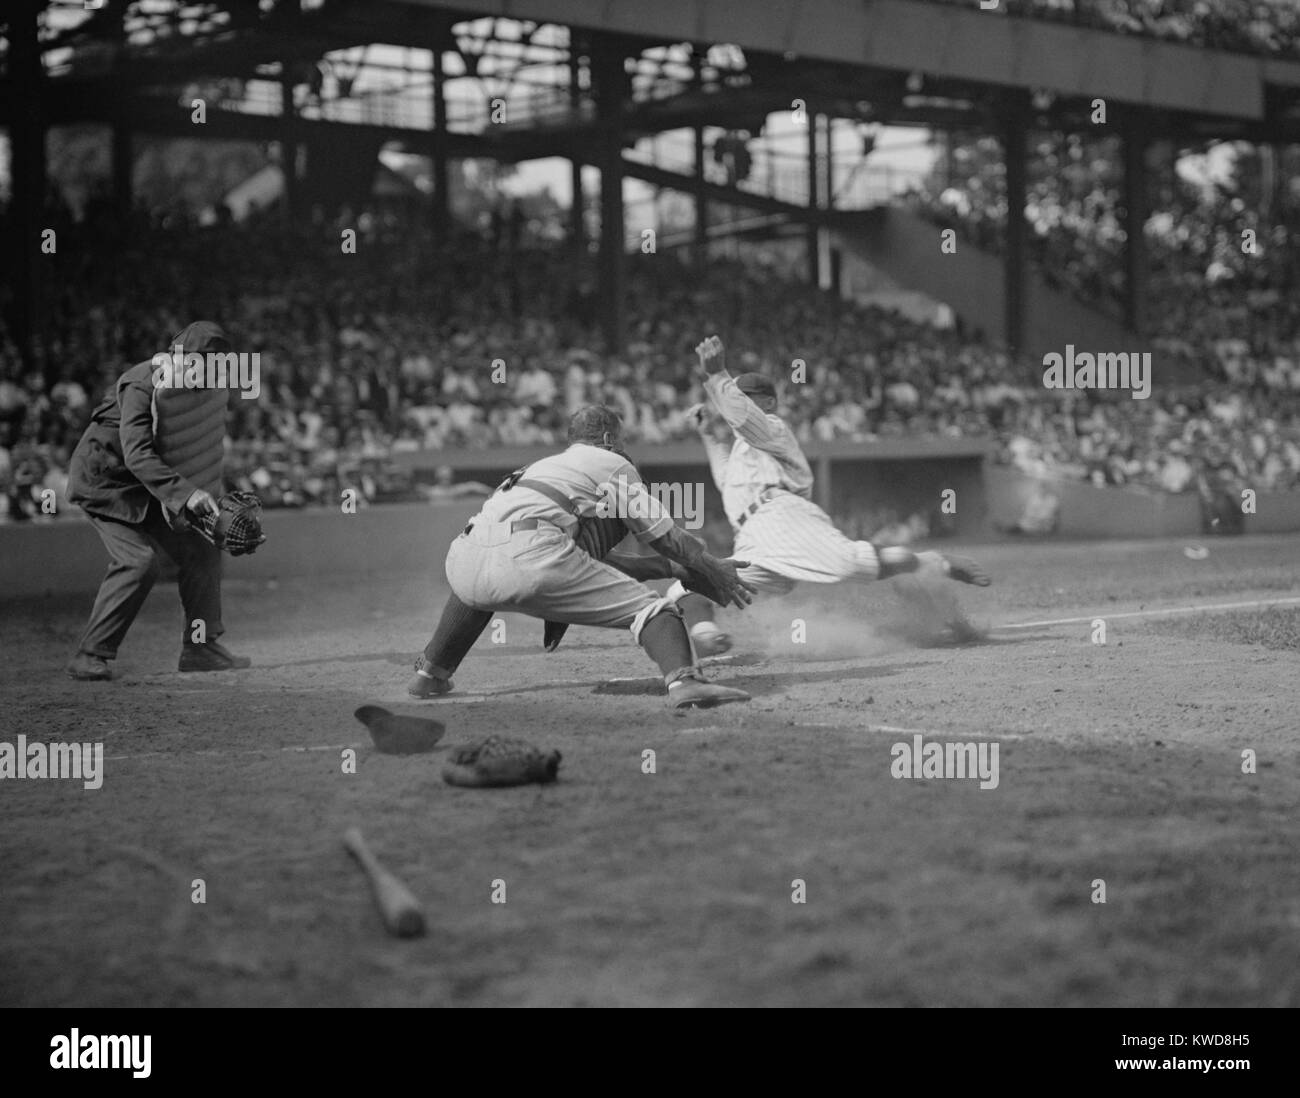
pixel 133 551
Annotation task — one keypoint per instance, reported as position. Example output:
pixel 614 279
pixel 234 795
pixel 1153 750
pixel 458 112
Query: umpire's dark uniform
pixel 147 450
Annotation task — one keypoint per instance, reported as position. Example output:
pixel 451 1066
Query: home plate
pixel 631 686
pixel 733 659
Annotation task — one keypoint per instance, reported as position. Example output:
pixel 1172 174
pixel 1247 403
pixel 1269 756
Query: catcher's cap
pixel 756 385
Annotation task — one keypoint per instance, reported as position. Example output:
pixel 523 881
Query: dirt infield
pixel 1119 763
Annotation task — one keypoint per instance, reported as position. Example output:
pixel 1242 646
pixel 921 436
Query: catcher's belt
pixel 596 534
pixel 517 525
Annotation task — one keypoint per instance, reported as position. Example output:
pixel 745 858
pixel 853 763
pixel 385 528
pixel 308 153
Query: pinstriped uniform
pixel 787 538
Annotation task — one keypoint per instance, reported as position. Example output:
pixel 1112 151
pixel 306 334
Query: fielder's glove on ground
pixel 236 528
pixel 499 761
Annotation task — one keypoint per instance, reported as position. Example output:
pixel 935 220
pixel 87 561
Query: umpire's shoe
pixel 695 693
pixel 88 668
pixel 425 684
pixel 211 657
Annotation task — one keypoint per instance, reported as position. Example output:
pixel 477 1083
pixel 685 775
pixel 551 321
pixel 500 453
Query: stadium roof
pixel 890 61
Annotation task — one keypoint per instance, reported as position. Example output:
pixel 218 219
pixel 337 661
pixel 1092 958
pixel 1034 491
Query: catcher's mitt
pixel 500 761
pixel 237 527
pixel 702 584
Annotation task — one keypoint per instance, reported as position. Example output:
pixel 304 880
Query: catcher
pixel 146 472
pixel 542 545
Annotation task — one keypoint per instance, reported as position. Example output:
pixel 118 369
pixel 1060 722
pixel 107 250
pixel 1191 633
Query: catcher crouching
pixel 543 545
pixel 147 472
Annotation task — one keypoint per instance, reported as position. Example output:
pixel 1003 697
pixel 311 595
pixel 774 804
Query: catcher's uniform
pixel 518 553
pixel 766 483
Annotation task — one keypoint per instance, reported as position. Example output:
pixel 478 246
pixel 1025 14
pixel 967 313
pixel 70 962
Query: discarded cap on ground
pixel 394 734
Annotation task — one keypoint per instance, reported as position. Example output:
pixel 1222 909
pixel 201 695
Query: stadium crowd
pixel 404 346
pixel 1216 290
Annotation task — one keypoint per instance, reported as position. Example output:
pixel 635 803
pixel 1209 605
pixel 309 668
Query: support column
pixel 829 267
pixel 701 204
pixel 441 187
pixel 810 233
pixel 611 87
pixel 1014 126
pixel 577 209
pixel 122 154
pixel 830 162
pixel 578 200
pixel 123 163
pixel 27 153
pixel 1135 216
pixel 289 146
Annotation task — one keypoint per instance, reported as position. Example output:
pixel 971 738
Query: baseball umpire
pixel 149 462
pixel 542 545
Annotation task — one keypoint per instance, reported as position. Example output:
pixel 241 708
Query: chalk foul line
pixel 1208 608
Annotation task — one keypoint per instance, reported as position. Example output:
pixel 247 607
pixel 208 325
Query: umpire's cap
pixel 756 385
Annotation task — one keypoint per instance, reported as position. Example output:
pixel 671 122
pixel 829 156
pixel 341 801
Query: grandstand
pixel 773 134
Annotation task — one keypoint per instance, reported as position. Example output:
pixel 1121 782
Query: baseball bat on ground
pixel 401 910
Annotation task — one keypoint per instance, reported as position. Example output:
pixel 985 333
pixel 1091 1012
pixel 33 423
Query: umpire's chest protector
pixel 189 428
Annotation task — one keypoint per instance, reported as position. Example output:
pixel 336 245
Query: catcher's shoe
pixel 87 668
pixel 424 684
pixel 211 657
pixel 693 693
pixel 709 640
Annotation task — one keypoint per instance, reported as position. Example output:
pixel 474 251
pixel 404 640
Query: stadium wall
pixel 900 475
pixel 1091 512
pixel 1275 513
pixel 65 556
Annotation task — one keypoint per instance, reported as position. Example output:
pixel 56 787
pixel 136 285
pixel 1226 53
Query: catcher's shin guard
pixel 697 611
pixel 665 641
pixel 458 629
pixel 695 608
